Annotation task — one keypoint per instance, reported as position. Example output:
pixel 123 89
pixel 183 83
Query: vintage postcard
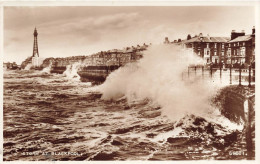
pixel 129 81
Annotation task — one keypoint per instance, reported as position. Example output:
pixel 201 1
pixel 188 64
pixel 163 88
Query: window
pixel 238 43
pixel 222 53
pixel 229 52
pixel 242 51
pixel 215 45
pixel 229 44
pixel 215 53
pixel 228 61
pixel 207 45
pixel 222 45
pixel 243 43
pixel 206 52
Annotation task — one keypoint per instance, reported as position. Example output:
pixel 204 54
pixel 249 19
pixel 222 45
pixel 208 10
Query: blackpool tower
pixel 35 56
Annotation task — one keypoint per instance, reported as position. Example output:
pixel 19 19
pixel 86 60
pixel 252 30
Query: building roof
pixel 207 39
pixel 241 39
pixel 220 39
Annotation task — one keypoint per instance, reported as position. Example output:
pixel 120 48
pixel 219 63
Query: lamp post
pixel 249 76
pixel 240 74
pixel 211 67
pixel 230 74
pixel 202 70
pixel 220 70
pixel 188 72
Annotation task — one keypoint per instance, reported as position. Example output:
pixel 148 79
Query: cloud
pixel 68 31
pixel 107 22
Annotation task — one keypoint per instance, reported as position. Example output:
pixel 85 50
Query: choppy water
pixel 46 113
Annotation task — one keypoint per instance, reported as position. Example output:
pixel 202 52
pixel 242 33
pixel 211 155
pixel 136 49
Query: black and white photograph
pixel 129 82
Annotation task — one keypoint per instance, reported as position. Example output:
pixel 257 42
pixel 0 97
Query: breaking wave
pixel 71 71
pixel 28 66
pixel 158 76
pixel 47 69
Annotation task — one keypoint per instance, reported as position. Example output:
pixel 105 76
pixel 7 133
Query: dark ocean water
pixel 51 117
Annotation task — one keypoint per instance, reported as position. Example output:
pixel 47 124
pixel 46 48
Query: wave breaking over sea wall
pixel 71 71
pixel 47 69
pixel 158 76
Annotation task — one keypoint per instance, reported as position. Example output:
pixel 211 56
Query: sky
pixel 84 30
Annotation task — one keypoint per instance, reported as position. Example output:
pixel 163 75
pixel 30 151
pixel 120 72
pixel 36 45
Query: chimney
pixel 166 40
pixel 253 30
pixel 200 35
pixel 235 34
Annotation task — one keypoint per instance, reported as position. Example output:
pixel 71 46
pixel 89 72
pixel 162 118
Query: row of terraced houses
pixel 237 50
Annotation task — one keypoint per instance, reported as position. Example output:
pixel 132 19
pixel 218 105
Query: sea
pixel 52 117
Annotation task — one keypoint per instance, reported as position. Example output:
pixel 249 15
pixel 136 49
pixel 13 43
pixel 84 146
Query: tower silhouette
pixel 35 55
pixel 35 44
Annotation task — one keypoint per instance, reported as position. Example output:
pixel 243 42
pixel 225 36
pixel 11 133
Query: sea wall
pixel 237 103
pixel 231 102
pixel 95 67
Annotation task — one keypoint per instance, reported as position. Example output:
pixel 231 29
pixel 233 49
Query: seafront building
pixel 9 65
pixel 241 48
pixel 211 49
pixel 236 50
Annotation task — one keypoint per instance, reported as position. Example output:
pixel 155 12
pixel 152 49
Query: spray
pixel 71 71
pixel 47 69
pixel 28 66
pixel 158 76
